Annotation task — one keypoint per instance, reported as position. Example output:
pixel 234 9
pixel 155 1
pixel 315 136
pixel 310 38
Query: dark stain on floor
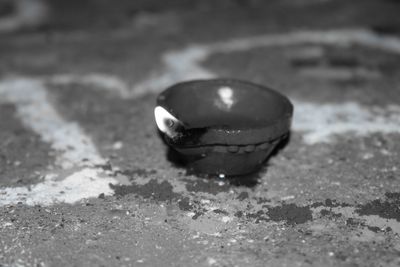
pixel 151 190
pixel 357 223
pixel 158 191
pixel 290 213
pixel 388 208
pixel 330 214
pixel 329 203
pixel 242 196
pixel 139 172
pixel 184 204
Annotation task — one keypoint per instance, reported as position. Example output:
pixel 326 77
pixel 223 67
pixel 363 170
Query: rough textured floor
pixel 85 179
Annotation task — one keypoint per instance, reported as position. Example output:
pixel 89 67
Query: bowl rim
pixel 219 135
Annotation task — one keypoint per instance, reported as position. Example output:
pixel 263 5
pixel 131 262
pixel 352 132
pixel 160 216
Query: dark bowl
pixel 223 126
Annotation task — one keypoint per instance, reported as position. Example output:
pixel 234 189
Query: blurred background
pixel 58 15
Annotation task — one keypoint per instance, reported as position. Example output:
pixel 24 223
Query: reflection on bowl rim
pixel 217 135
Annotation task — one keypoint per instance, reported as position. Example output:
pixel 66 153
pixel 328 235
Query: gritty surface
pixel 85 179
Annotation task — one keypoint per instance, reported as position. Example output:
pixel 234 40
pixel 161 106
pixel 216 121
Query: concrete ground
pixel 85 179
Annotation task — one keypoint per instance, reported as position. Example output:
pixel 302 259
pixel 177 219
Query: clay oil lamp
pixel 223 127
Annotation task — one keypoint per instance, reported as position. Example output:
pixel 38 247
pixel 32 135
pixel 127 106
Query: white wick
pixel 166 122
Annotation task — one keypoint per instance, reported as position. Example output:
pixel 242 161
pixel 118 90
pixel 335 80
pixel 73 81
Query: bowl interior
pixel 224 104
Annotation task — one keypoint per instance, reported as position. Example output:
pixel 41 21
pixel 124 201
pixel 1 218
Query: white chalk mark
pixel 75 148
pixel 180 65
pixel 319 122
pixel 36 112
pixel 185 64
pixel 344 37
pixel 28 13
pixel 82 184
pixel 98 81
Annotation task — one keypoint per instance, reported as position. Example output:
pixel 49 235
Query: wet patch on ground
pixel 329 203
pixel 162 191
pixel 132 173
pixel 385 208
pixel 290 213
